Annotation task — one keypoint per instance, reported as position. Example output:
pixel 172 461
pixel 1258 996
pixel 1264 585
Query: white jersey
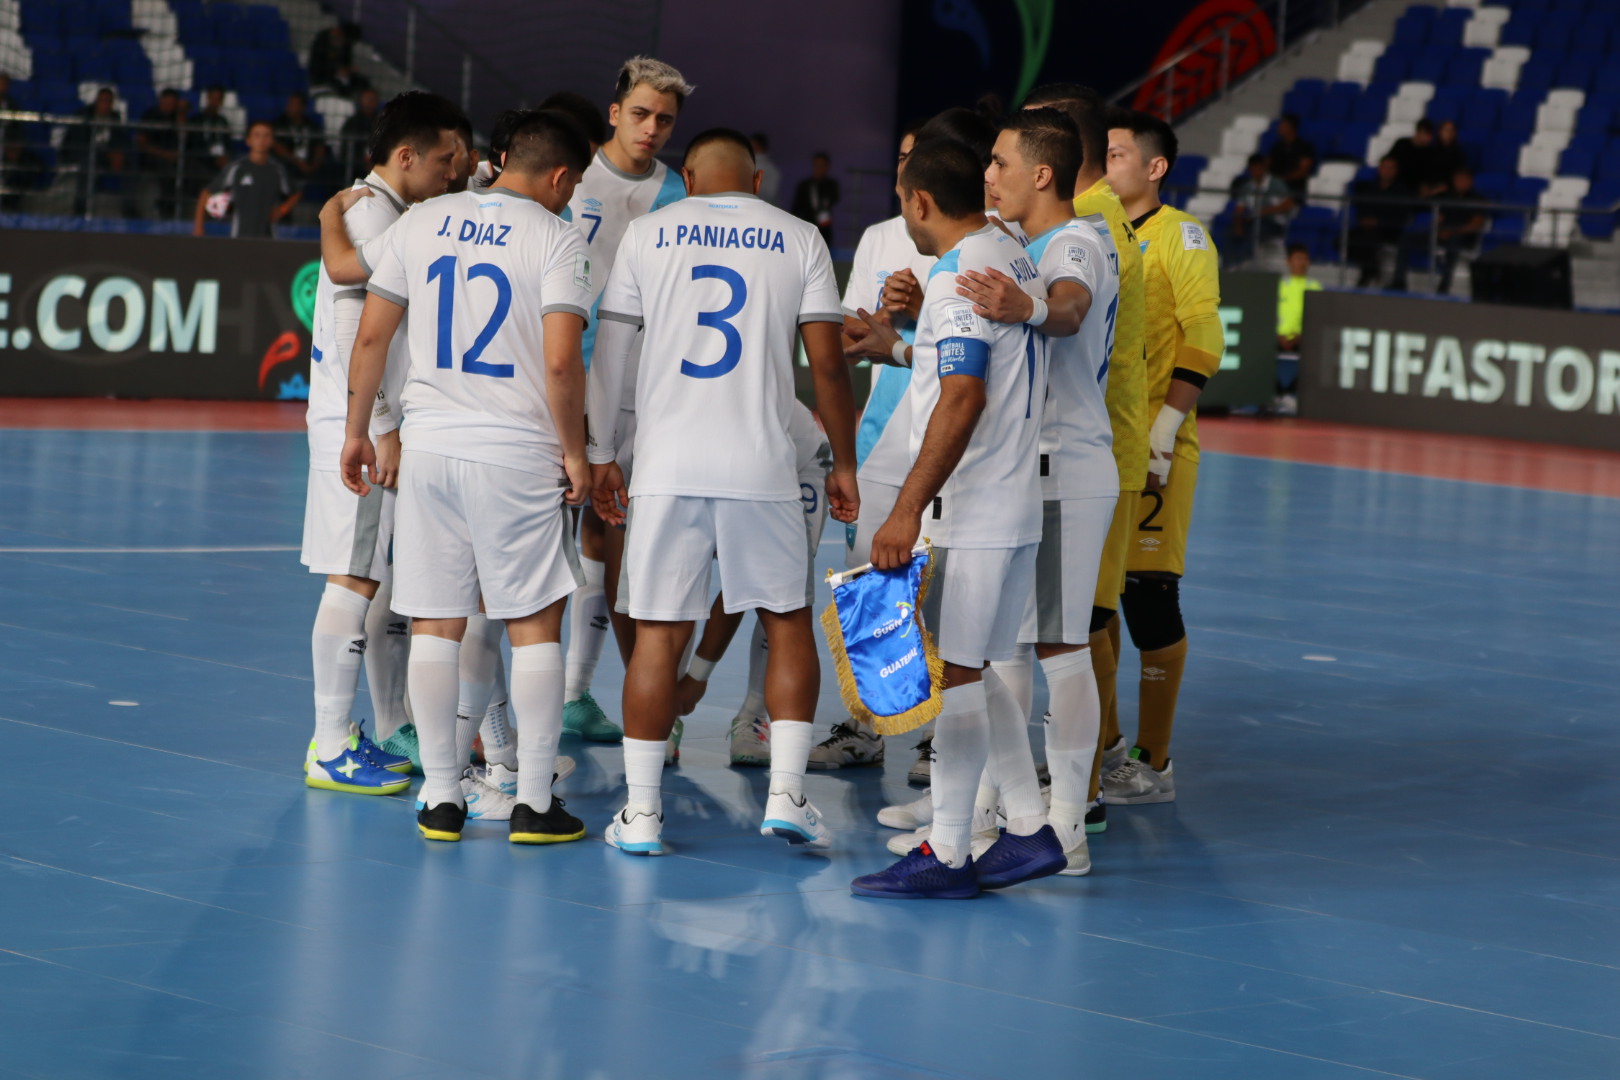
pixel 1077 457
pixel 883 438
pixel 812 453
pixel 337 319
pixel 606 200
pixel 993 497
pixel 720 284
pixel 481 270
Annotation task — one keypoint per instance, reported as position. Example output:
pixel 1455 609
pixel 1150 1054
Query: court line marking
pixel 221 550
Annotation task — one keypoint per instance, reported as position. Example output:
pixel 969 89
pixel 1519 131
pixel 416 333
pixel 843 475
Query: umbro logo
pixel 1148 541
pixel 1153 674
pixel 358 645
pixel 399 629
pixel 599 622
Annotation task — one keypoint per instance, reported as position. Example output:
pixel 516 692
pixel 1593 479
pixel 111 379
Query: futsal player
pixel 1184 341
pixel 1127 408
pixel 718 283
pixel 625 181
pixel 884 278
pixel 1031 177
pixel 346 538
pixel 974 489
pixel 495 438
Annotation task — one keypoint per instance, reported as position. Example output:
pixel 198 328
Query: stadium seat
pixel 1603 196
pixel 1413 25
pixel 1577 161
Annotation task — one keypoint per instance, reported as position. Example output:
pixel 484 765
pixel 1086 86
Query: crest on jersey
pixel 582 270
pixel 964 323
pixel 889 671
pixel 1192 237
pixel 1074 255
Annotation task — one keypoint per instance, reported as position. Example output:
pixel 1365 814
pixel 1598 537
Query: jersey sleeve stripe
pixel 614 316
pixel 821 316
pixel 360 255
pixel 348 294
pixel 386 295
pixel 570 309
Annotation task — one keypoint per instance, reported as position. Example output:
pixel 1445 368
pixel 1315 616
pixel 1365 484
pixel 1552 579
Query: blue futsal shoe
pixel 1012 859
pixel 383 759
pixel 920 876
pixel 404 743
pixel 353 772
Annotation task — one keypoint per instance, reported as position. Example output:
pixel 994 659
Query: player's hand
pixel 388 451
pixel 609 497
pixel 359 457
pixel 1158 470
pixel 892 545
pixel 1162 445
pixel 339 204
pixel 995 296
pixel 843 497
pixel 902 293
pixel 688 692
pixel 579 480
pixel 876 344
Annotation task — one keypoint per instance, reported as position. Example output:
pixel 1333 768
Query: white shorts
pixel 813 497
pixel 877 501
pixel 345 534
pixel 467 529
pixel 976 602
pixel 1073 532
pixel 670 541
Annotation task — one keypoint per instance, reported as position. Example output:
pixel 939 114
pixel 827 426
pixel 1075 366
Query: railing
pixel 1222 56
pixel 70 165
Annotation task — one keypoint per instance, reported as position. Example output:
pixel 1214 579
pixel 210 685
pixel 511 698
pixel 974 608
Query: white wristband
pixel 700 669
pixel 1037 318
pixel 898 353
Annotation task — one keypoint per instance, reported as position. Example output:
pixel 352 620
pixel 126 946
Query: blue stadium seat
pixel 1520 29
pixel 1594 118
pixel 1578 73
pixel 1447 103
pixel 1352 139
pixel 1393 65
pixel 1604 194
pixel 1577 161
pixel 1538 73
pixel 1447 28
pixel 1412 28
pixel 1466 65
pixel 1607 80
pixel 1430 65
pixel 1370 109
pixel 1501 154
pixel 1317 227
pixel 1336 104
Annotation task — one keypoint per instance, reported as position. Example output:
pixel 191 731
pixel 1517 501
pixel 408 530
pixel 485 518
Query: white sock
pixel 337 648
pixel 961 744
pixel 480 656
pixel 388 650
pixel 537 699
pixel 790 755
pixel 1018 675
pixel 433 680
pixel 758 654
pixel 1071 733
pixel 988 800
pixel 643 774
pixel 1010 764
pixel 587 629
pixel 500 746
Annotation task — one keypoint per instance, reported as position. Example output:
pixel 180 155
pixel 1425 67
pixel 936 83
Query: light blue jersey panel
pixel 673 190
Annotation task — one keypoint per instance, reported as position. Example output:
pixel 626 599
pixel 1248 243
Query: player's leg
pixel 749 732
pixel 537 700
pixel 669 548
pixel 589 619
pixel 388 651
pixel 1152 604
pixel 1104 640
pixel 342 540
pixel 480 653
pixel 761 551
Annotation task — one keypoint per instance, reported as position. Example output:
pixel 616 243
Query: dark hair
pixel 1390 157
pixel 950 172
pixel 1154 136
pixel 718 135
pixel 970 127
pixel 415 118
pixel 583 111
pixel 1290 118
pixel 1424 124
pixel 545 139
pixel 500 133
pixel 464 128
pixel 168 91
pixel 1297 248
pixel 261 122
pixel 1257 159
pixel 1086 108
pixel 823 155
pixel 299 94
pixel 214 88
pixel 759 137
pixel 1048 137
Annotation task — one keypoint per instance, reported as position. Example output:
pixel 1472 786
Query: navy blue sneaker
pixel 1013 859
pixel 362 745
pixel 920 876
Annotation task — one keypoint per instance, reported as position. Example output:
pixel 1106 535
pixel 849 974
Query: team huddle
pixel 571 339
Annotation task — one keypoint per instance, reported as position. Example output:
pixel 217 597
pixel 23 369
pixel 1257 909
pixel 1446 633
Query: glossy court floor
pixel 1396 850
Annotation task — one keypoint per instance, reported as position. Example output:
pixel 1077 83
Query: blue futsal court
pixel 1396 850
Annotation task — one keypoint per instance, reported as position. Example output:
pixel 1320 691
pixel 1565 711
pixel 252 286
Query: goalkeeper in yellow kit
pixel 1183 341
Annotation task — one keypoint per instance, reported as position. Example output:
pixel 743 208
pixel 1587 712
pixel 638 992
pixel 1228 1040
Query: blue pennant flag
pixel 889 673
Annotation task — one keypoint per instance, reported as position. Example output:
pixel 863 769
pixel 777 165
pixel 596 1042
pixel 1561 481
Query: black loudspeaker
pixel 1525 276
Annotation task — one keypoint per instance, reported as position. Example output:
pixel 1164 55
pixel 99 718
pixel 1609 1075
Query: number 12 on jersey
pixel 443 270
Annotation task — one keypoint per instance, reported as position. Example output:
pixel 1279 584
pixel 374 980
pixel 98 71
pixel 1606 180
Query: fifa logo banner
pixel 889 672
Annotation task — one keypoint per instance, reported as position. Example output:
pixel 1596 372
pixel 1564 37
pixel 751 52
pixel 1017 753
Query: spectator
pixel 158 140
pixel 207 141
pixel 1291 290
pixel 817 195
pixel 1419 160
pixel 298 137
pixel 1449 155
pixel 1460 226
pixel 1292 158
pixel 257 187
pixel 1263 206
pixel 356 136
pixel 97 146
pixel 1382 207
pixel 770 183
pixel 332 48
pixel 347 82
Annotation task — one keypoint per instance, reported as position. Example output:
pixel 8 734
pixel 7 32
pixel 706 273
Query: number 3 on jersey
pixel 721 321
pixel 444 270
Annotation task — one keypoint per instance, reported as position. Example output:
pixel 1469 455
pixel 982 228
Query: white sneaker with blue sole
pixel 636 832
pixel 794 820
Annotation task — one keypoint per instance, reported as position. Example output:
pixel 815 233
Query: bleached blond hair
pixel 645 71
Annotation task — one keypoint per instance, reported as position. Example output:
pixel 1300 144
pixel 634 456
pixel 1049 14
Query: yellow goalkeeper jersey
pixel 1127 368
pixel 1181 320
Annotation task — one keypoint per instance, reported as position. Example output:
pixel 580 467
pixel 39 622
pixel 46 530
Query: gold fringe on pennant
pixel 914 717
